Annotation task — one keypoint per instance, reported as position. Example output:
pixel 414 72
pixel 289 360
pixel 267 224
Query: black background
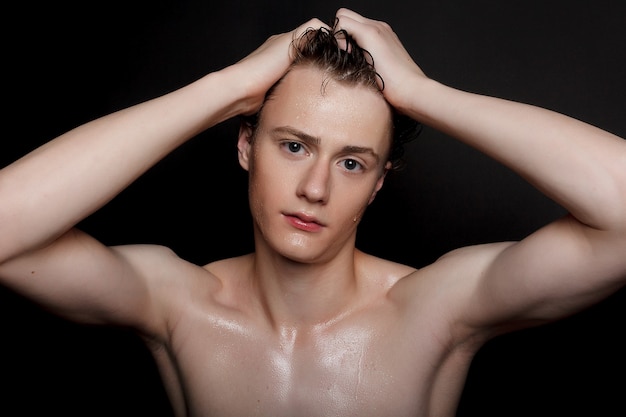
pixel 66 63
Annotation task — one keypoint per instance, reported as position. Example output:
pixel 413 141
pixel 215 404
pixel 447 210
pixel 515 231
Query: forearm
pixel 577 165
pixel 49 190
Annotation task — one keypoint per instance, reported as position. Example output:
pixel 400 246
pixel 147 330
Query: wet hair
pixel 337 54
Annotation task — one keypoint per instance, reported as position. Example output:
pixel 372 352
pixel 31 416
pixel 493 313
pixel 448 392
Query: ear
pixel 244 145
pixel 380 182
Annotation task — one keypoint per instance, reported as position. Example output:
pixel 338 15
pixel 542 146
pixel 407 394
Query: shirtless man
pixel 308 325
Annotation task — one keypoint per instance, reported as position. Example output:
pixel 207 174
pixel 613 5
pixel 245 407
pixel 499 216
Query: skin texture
pixel 317 337
pixel 342 137
pixel 308 324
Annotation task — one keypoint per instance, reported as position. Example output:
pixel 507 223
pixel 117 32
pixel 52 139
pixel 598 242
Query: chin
pixel 300 252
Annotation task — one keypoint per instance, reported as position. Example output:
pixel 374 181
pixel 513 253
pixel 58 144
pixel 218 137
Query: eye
pixel 351 165
pixel 293 147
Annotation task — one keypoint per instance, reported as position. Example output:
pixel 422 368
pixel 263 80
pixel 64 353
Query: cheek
pixel 267 185
pixel 268 179
pixel 351 201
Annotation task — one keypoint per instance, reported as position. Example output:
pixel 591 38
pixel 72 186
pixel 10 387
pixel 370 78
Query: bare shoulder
pixel 445 289
pixel 435 299
pixel 162 264
pixel 457 265
pixel 170 280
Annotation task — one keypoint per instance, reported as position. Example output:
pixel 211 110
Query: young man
pixel 307 324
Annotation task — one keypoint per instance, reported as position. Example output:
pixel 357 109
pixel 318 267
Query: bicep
pixel 79 278
pixel 555 272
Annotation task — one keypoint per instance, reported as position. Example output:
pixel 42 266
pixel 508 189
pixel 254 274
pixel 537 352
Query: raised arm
pixel 561 268
pixel 46 192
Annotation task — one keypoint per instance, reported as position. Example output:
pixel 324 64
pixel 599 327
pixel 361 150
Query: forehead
pixel 309 100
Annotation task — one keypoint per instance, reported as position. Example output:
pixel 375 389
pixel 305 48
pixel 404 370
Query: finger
pixel 357 25
pixel 314 23
pixel 350 14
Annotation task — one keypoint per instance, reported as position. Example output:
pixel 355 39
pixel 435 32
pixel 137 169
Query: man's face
pixel 316 162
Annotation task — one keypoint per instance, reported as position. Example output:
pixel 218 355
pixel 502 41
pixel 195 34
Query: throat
pixel 308 299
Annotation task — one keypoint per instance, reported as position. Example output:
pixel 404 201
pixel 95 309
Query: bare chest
pixel 232 369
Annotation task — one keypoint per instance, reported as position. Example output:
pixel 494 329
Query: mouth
pixel 303 221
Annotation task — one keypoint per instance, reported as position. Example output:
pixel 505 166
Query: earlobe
pixel 244 144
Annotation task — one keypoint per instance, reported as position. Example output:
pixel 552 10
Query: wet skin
pixel 308 325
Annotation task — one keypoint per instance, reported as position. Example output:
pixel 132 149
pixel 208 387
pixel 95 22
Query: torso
pixel 380 359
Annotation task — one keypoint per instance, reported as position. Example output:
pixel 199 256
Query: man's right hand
pixel 266 65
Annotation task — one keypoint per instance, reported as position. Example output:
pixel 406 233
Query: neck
pixel 304 294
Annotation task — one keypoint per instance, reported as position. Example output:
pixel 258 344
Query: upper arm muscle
pixel 77 277
pixel 559 270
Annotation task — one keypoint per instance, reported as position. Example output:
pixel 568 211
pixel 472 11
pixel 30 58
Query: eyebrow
pixel 314 140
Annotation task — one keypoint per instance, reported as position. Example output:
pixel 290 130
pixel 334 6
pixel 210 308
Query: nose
pixel 315 183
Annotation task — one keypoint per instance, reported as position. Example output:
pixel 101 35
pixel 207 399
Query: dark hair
pixel 337 53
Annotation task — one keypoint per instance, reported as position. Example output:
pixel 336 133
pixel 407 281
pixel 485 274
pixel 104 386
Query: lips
pixel 304 222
